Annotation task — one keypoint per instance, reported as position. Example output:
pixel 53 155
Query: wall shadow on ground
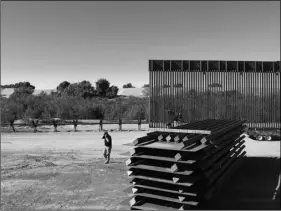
pixel 251 187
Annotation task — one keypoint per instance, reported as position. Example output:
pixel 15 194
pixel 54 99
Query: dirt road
pixel 62 171
pixel 65 170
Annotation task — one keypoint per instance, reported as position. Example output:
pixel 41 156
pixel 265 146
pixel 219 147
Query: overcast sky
pixel 46 43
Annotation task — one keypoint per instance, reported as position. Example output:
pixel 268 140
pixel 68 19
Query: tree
pixel 97 111
pixel 24 84
pixel 36 106
pixel 70 90
pixel 128 85
pixel 22 91
pixel 102 86
pixel 20 99
pixel 112 92
pixel 86 90
pixel 63 107
pixel 50 108
pixel 145 85
pixel 82 89
pixel 9 112
pixel 62 86
pixel 17 85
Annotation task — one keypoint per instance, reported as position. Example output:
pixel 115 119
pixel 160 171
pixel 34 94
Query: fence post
pixel 139 124
pixel 75 123
pixel 35 124
pixel 120 124
pixel 12 125
pixel 55 126
pixel 100 128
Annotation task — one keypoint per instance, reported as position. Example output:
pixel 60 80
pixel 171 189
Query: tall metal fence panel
pixel 185 91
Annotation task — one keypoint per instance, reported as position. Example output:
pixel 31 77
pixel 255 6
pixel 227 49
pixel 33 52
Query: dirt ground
pixel 66 171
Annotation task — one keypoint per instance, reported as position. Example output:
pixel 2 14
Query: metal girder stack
pixel 183 169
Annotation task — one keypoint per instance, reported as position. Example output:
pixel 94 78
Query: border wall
pixel 229 90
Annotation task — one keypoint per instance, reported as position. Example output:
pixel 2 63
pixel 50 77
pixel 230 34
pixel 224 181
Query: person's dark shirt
pixel 107 141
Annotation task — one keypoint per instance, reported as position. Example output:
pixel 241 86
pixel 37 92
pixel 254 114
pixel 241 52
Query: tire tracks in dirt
pixel 43 197
pixel 40 161
pixel 75 191
pixel 65 202
pixel 45 193
pixel 30 189
pixel 103 201
pixel 91 194
pixel 23 190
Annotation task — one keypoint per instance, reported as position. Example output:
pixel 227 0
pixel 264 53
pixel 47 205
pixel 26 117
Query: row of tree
pixel 18 85
pixel 85 89
pixel 129 85
pixel 72 101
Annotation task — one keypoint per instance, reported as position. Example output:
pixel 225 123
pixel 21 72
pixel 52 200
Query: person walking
pixel 108 146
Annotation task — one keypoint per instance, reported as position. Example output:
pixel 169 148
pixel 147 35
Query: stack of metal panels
pixel 182 170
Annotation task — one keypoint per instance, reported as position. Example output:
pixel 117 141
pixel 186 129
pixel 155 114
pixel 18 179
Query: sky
pixel 47 43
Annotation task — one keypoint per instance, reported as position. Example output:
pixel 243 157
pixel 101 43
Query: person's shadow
pixel 251 187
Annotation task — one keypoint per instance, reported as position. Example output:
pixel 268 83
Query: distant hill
pixel 6 92
pixel 136 92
